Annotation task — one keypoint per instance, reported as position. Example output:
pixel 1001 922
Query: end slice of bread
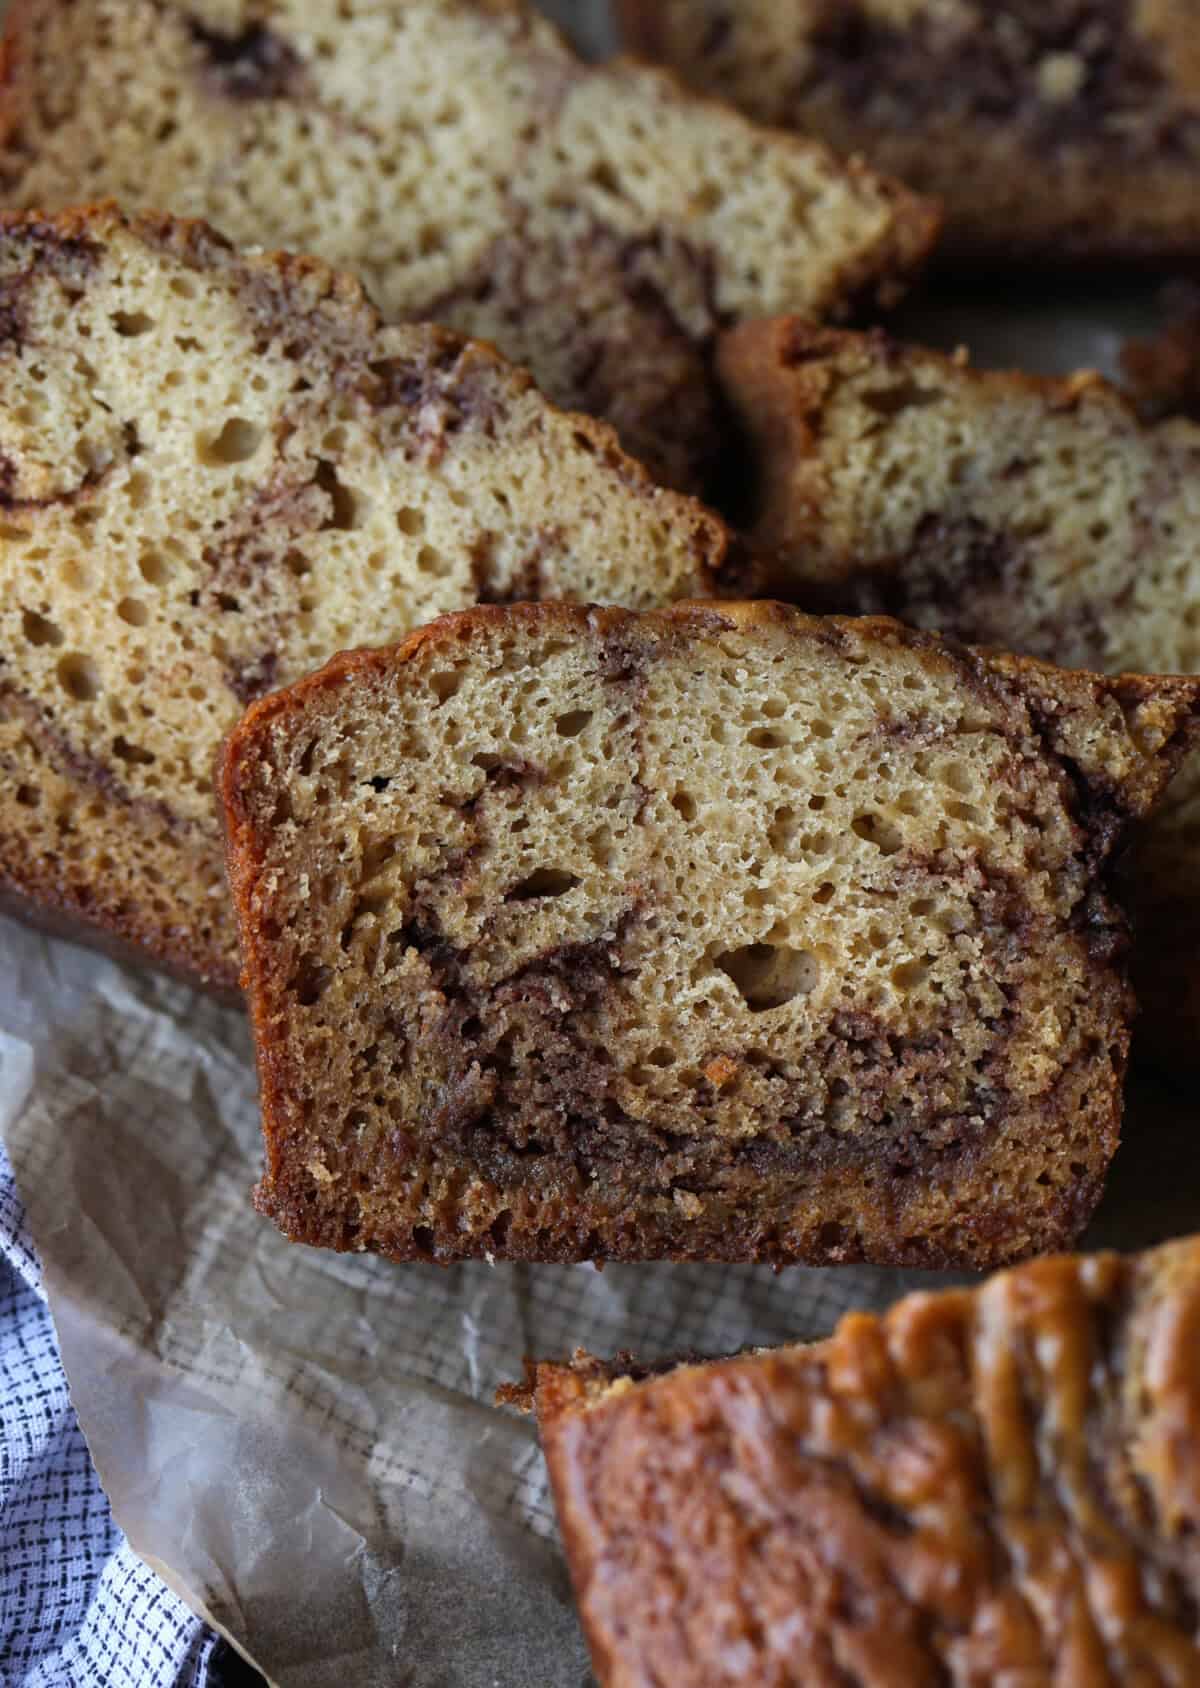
pixel 1062 131
pixel 598 224
pixel 215 471
pixel 980 1486
pixel 1037 514
pixel 719 933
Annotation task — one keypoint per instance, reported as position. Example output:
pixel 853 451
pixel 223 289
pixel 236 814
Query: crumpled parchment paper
pixel 304 1445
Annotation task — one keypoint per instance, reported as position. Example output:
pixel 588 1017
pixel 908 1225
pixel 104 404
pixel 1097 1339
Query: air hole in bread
pixel 237 442
pixel 768 975
pixel 905 395
pixel 309 981
pixel 348 508
pixel 132 323
pixel 956 776
pixel 603 176
pixel 444 684
pixel 875 829
pixel 154 568
pixel 433 562
pixel 133 612
pixel 910 975
pixel 546 882
pixel 79 677
pixel 376 856
pixel 131 753
pixel 39 630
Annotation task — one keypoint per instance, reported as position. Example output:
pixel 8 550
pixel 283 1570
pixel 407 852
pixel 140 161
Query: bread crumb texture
pixel 1040 515
pixel 596 224
pixel 1068 130
pixel 713 934
pixel 979 1487
pixel 215 471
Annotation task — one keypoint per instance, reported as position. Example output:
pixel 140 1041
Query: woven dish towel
pixel 77 1607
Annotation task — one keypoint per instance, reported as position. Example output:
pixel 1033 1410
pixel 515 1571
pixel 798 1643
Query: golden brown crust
pixel 1166 707
pixel 480 1131
pixel 976 1485
pixel 59 908
pixel 121 938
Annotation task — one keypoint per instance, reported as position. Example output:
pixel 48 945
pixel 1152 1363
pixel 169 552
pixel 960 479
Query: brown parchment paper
pixel 304 1445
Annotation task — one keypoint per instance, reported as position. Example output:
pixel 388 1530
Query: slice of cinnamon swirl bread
pixel 1067 130
pixel 998 1485
pixel 215 471
pixel 1036 514
pixel 718 933
pixel 597 224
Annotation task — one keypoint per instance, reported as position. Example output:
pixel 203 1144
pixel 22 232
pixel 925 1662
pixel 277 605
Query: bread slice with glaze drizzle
pixel 992 1485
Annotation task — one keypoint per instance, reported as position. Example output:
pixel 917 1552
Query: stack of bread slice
pixel 364 644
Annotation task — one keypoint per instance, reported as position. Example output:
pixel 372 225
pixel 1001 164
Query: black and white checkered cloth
pixel 78 1609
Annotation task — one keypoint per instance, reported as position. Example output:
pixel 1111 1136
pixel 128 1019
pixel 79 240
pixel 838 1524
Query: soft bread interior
pixel 734 930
